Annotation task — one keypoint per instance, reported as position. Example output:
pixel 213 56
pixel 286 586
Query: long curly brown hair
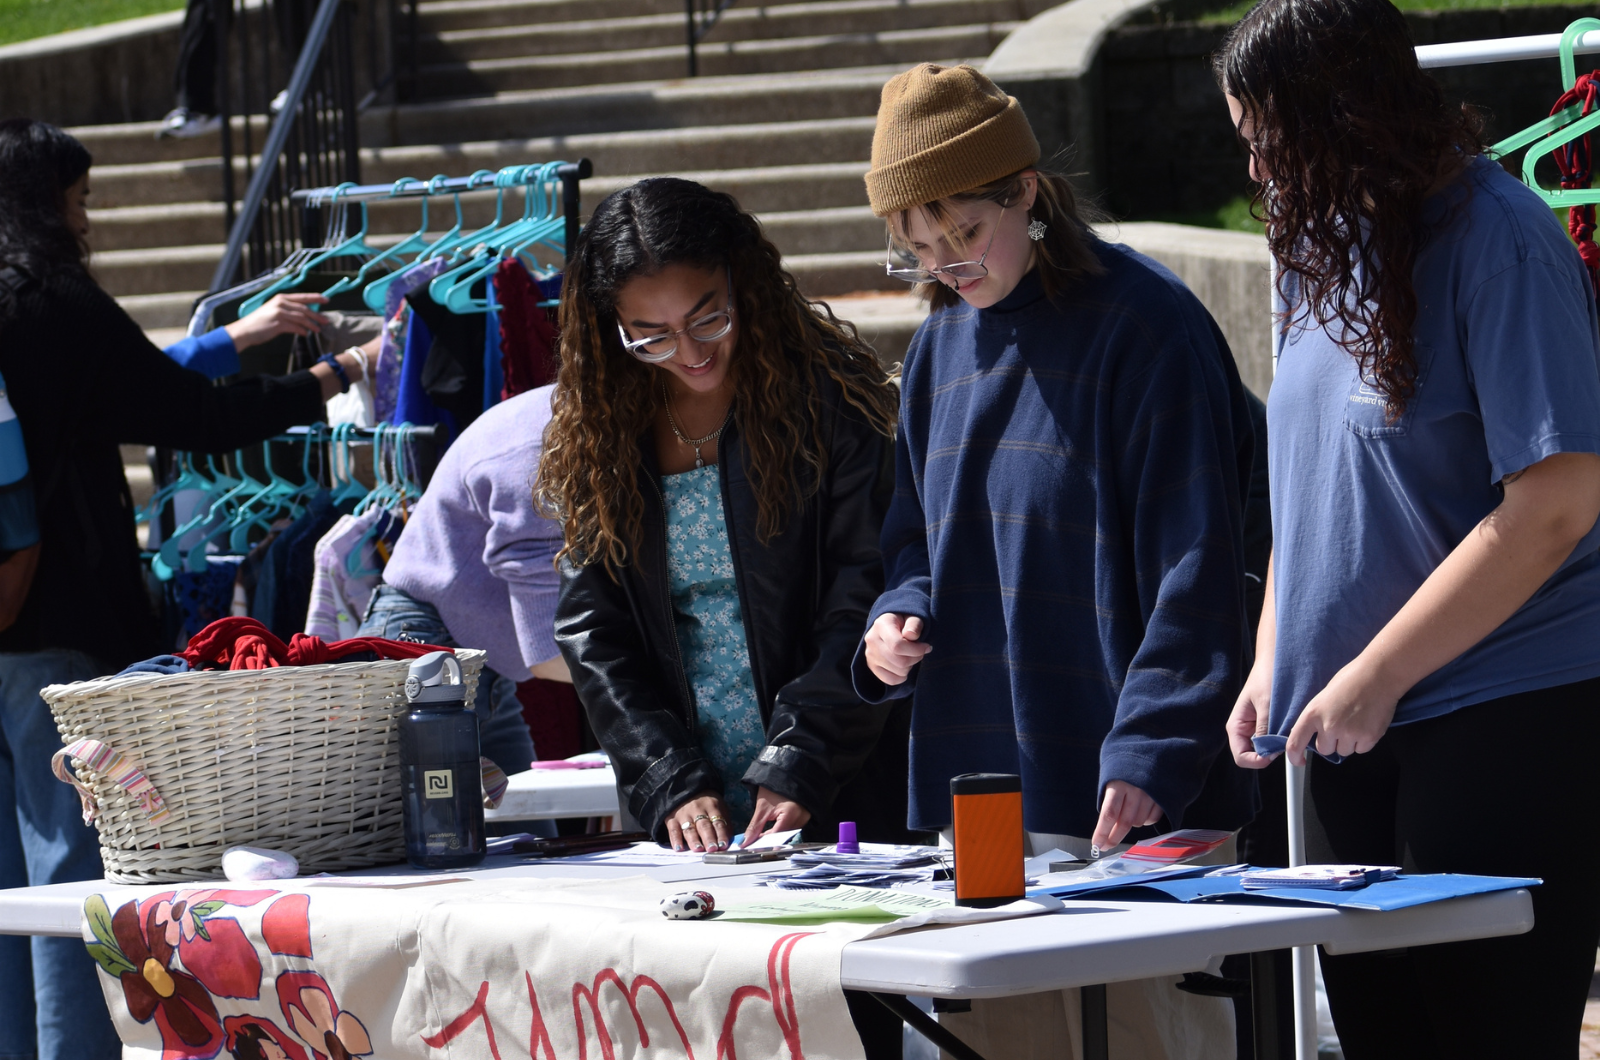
pixel 606 399
pixel 1351 136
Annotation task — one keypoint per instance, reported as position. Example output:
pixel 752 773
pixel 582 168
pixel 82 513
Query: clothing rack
pixel 571 174
pixel 1429 57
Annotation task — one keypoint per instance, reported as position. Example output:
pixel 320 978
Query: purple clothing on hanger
pixel 386 373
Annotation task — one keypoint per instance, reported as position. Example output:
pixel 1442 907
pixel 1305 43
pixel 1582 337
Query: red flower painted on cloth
pixel 214 949
pixel 183 1011
pixel 286 926
pixel 312 1013
pixel 258 1038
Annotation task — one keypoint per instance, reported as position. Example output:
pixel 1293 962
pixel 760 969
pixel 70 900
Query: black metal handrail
pixel 700 18
pixel 312 136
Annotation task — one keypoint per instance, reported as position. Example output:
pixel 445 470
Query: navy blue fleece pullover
pixel 1067 519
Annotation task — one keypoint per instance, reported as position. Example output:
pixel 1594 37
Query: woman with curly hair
pixel 1435 581
pixel 720 458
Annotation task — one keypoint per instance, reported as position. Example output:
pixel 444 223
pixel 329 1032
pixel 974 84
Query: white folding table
pixel 1091 943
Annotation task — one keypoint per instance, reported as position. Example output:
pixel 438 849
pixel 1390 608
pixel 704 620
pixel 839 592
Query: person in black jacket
pixel 720 458
pixel 83 378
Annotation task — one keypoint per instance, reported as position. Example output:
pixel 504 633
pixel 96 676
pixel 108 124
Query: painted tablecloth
pixel 486 970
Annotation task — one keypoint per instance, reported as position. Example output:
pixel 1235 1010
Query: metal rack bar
pixel 1501 50
pixel 570 172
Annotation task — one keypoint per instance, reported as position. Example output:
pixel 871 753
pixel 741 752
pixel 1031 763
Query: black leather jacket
pixel 804 597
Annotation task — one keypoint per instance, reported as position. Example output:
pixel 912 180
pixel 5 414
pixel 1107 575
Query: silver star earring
pixel 1036 230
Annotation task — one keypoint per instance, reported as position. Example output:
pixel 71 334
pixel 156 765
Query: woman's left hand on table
pixel 1348 717
pixel 774 813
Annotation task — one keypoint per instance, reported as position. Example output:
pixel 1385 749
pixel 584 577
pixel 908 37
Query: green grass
pixel 1233 216
pixel 27 19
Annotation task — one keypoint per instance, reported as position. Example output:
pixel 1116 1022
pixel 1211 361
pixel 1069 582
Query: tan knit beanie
pixel 943 130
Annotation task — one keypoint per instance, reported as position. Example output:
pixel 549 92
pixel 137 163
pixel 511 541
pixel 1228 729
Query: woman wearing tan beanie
pixel 1063 557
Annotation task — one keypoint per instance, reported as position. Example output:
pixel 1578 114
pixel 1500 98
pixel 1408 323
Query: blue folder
pixel 1190 884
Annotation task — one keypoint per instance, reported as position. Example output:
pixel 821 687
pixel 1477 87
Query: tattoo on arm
pixel 1509 479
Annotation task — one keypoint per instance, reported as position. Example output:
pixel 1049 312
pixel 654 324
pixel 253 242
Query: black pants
pixel 195 81
pixel 1504 788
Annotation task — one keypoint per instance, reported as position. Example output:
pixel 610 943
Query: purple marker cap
pixel 847 839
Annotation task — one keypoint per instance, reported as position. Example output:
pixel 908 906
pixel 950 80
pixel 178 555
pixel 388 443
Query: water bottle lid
pixel 435 678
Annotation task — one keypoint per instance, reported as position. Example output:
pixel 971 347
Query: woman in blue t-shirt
pixel 1435 583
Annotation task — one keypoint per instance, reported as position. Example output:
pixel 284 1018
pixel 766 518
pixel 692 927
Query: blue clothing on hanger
pixel 414 405
pixel 494 379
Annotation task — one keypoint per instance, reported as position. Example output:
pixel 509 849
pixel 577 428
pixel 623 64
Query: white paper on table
pixel 908 909
pixel 641 855
pixel 1039 864
pixel 772 840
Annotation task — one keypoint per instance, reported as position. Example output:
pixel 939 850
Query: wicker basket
pixel 297 758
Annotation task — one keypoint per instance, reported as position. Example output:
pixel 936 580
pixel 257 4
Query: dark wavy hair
pixel 1351 136
pixel 606 399
pixel 38 163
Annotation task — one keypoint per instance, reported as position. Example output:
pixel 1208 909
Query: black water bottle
pixel 440 776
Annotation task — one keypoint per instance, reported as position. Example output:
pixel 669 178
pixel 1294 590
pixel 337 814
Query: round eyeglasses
pixel 654 349
pixel 959 270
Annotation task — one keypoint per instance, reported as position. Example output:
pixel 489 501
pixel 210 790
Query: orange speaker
pixel 987 815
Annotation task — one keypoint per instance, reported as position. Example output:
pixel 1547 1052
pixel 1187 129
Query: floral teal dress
pixel 705 605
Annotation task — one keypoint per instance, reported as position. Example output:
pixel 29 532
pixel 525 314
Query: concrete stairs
pixel 781 118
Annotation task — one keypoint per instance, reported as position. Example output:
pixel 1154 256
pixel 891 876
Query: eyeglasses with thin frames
pixel 655 349
pixel 959 270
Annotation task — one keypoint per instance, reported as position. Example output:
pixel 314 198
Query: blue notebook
pixel 1190 884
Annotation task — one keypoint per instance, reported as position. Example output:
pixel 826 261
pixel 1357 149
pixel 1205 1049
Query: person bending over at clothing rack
pixel 719 456
pixel 83 378
pixel 474 566
pixel 1434 587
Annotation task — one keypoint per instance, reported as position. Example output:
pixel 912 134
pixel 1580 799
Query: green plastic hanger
pixel 343 248
pixel 1557 130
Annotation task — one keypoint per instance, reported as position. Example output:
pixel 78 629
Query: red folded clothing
pixel 245 644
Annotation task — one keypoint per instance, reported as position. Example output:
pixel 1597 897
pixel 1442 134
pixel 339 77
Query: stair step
pixel 885 321
pixel 135 141
pixel 737 24
pixel 642 153
pixel 157 269
pixel 170 310
pixel 821 275
pixel 677 104
pixel 443 16
pixel 156 183
pixel 169 225
pixel 832 230
pixel 728 59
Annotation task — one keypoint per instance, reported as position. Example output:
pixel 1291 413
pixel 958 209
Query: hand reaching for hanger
pixel 283 314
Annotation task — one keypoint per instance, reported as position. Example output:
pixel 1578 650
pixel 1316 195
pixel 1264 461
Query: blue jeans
pixel 503 736
pixel 50 1001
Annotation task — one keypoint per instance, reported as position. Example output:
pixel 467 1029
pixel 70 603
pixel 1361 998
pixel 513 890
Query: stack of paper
pixel 826 877
pixel 1326 877
pixel 872 856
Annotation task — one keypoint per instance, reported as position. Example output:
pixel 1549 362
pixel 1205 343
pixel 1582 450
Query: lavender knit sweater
pixel 476 549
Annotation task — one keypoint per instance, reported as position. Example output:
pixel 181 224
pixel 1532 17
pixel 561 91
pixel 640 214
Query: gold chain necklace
pixel 692 443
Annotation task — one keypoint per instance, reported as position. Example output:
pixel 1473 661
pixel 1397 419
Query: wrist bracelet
pixel 338 369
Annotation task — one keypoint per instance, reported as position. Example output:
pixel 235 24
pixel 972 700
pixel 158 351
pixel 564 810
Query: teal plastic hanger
pixel 1557 130
pixel 260 510
pixel 341 248
pixel 397 489
pixel 415 243
pixel 171 558
pixel 346 489
pixel 541 223
pixel 378 290
pixel 188 478
pixel 454 244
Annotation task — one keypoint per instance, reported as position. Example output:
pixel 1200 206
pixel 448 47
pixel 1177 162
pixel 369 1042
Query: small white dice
pixel 690 905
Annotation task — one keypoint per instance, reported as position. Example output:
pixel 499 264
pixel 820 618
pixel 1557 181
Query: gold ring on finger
pixel 717 818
